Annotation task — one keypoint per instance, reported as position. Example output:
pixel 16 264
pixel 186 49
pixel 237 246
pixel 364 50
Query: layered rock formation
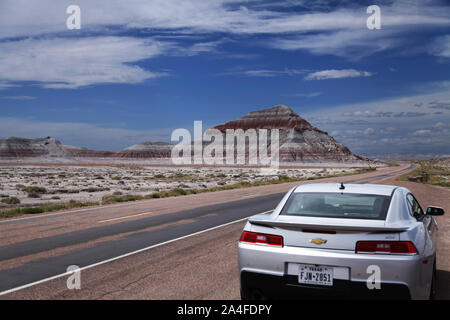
pixel 299 141
pixel 19 147
pixel 14 147
pixel 147 150
pixel 48 147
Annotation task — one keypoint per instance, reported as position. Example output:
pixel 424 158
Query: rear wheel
pixel 244 294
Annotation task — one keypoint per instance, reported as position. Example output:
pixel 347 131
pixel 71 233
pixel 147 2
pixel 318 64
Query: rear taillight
pixel 262 238
pixel 399 247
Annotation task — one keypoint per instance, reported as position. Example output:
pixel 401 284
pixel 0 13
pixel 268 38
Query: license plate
pixel 319 275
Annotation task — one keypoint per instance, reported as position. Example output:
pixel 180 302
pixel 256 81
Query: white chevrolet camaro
pixel 337 240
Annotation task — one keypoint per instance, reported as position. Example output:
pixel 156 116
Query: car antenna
pixel 342 186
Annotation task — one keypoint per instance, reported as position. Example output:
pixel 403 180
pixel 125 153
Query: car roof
pixel 376 189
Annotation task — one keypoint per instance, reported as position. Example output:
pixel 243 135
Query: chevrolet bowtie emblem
pixel 318 241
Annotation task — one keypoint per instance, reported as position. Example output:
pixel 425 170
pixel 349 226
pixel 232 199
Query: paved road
pixel 202 266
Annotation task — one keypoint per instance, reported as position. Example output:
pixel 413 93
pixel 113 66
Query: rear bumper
pixel 350 271
pixel 265 286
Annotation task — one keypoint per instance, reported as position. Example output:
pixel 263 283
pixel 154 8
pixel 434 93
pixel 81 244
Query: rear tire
pixel 433 283
pixel 244 295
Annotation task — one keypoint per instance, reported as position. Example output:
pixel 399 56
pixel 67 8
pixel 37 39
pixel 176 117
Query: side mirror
pixel 435 211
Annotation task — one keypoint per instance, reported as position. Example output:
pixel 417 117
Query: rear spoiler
pixel 266 221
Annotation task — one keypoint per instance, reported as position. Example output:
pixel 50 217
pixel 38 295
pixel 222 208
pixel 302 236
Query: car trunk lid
pixel 326 233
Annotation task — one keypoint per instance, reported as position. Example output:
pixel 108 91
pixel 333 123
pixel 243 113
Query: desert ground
pixel 38 184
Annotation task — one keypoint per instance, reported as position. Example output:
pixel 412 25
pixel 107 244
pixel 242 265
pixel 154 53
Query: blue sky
pixel 136 70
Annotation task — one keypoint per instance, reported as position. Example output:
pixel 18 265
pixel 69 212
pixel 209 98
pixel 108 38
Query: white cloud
pixel 185 15
pixel 264 73
pixel 5 85
pixel 20 17
pixel 72 63
pixel 439 125
pixel 343 29
pixel 421 133
pixel 369 131
pixel 352 44
pixel 441 46
pixel 337 74
pixel 385 126
pixel 306 95
pixel 197 48
pixel 19 97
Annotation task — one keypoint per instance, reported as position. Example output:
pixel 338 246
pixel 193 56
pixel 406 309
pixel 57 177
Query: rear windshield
pixel 337 205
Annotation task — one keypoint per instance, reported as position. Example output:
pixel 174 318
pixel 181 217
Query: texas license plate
pixel 312 274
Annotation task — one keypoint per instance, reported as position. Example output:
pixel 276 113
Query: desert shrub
pixel 33 210
pixel 95 189
pixel 34 195
pixel 35 189
pixel 178 191
pixel 10 213
pixel 109 198
pixel 11 200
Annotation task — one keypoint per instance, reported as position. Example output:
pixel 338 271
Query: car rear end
pixel 328 242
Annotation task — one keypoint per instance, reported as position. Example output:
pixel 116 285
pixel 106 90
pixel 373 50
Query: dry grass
pixel 434 171
pixel 117 197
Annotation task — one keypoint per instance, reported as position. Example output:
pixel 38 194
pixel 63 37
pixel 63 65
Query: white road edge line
pixel 122 256
pixel 64 212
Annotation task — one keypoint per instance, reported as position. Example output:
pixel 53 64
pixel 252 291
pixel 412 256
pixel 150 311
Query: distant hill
pixel 299 142
pixel 48 147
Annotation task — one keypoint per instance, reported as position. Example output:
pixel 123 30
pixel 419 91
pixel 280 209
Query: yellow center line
pixel 126 217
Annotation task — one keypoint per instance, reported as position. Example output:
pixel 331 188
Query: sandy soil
pixel 90 183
